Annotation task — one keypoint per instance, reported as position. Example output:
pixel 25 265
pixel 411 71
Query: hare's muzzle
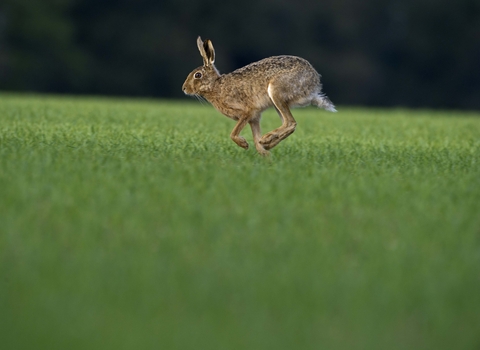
pixel 184 89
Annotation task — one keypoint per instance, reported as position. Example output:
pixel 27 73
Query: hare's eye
pixel 198 75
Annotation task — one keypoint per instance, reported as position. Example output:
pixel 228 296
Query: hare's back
pixel 276 65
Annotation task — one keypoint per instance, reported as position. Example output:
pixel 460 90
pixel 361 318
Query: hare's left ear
pixel 207 51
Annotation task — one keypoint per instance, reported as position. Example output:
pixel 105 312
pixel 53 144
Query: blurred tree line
pixel 418 53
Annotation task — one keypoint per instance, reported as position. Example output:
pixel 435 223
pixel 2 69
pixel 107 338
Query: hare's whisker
pixel 200 99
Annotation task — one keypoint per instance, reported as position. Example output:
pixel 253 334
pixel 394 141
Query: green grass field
pixel 131 224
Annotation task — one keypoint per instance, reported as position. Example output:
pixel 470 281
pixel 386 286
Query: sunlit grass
pixel 140 224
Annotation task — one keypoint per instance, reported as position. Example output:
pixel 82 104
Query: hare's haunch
pixel 242 95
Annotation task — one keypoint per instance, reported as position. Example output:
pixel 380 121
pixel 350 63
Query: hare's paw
pixel 267 139
pixel 273 138
pixel 239 140
pixel 263 152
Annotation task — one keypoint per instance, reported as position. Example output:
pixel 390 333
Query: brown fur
pixel 242 95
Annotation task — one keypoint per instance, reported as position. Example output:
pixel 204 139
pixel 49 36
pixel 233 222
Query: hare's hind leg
pixel 289 124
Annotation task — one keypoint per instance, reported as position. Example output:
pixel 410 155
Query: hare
pixel 242 95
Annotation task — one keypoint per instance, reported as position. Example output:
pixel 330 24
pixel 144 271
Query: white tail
pixel 324 102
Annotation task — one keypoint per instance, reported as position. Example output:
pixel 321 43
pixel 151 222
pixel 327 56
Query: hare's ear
pixel 206 51
pixel 208 46
pixel 202 51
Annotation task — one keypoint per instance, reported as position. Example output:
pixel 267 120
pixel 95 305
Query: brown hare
pixel 242 95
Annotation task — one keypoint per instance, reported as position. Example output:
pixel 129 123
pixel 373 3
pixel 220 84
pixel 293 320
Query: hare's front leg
pixel 235 135
pixel 257 135
pixel 289 124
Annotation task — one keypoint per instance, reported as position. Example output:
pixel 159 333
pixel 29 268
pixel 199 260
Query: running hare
pixel 242 95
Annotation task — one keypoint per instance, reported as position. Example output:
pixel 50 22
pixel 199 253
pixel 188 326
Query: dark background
pixel 415 53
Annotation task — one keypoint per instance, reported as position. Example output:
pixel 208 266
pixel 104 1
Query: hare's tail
pixel 324 102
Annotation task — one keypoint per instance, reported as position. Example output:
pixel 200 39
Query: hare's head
pixel 201 79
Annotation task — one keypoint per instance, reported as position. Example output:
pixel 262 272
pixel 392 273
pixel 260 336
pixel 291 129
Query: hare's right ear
pixel 207 51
